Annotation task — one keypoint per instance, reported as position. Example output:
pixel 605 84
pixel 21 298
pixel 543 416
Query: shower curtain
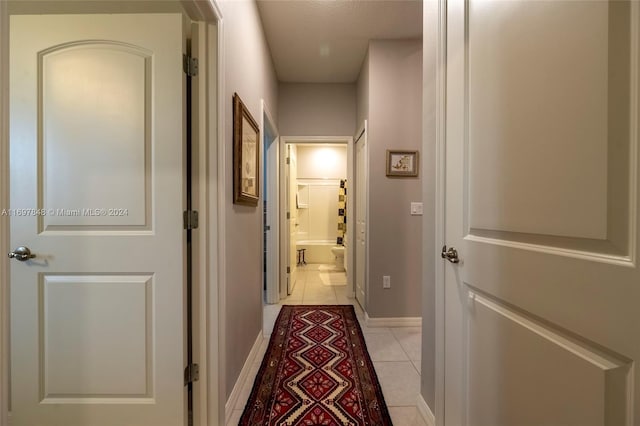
pixel 342 212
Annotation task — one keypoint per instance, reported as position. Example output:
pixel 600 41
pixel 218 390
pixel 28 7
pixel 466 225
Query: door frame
pixel 438 21
pixel 4 220
pixel 363 131
pixel 273 203
pixel 209 260
pixel 282 222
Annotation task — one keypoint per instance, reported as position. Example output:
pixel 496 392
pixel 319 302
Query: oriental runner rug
pixel 316 371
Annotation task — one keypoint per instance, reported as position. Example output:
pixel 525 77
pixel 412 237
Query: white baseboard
pixel 235 393
pixel 425 412
pixel 393 322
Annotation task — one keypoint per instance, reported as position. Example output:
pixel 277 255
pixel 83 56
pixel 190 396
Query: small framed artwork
pixel 402 163
pixel 246 155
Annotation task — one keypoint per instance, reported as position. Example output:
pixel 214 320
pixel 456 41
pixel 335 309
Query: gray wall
pixel 394 122
pixel 362 93
pixel 249 72
pixel 324 109
pixel 430 37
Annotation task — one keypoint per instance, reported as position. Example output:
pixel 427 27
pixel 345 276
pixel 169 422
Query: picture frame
pixel 246 155
pixel 402 163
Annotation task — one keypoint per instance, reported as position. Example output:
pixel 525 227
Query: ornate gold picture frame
pixel 246 155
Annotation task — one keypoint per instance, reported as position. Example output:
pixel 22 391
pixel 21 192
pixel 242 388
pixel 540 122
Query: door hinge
pixel 191 373
pixel 288 215
pixel 288 269
pixel 288 160
pixel 190 218
pixel 190 65
pixel 267 228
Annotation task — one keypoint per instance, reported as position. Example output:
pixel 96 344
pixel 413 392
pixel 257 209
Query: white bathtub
pixel 317 251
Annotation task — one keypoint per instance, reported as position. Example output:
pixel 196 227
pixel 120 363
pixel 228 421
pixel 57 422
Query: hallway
pixel 395 351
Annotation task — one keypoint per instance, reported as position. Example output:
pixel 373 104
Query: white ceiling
pixel 325 41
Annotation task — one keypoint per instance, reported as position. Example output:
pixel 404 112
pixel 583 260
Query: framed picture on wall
pixel 246 155
pixel 402 163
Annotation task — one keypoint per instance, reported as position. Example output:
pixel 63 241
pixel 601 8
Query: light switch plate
pixel 416 209
pixel 386 281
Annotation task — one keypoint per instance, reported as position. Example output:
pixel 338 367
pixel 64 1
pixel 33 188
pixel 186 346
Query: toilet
pixel 338 252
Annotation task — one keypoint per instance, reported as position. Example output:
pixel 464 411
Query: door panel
pixel 541 190
pixel 93 342
pixel 69 99
pixel 97 154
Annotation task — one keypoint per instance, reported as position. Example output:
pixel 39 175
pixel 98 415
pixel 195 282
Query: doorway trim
pixel 363 132
pixel 209 265
pixel 438 21
pixel 284 140
pixel 4 220
pixel 273 204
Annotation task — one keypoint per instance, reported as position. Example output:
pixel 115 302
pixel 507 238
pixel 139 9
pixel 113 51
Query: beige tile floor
pixel 395 352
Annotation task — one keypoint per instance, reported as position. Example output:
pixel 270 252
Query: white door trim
pixel 439 21
pixel 284 229
pixel 284 140
pixel 214 399
pixel 364 129
pixel 4 220
pixel 273 205
pixel 212 334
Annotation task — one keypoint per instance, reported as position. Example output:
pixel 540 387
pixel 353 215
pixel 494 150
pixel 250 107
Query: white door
pixel 542 315
pixel 96 153
pixel 293 218
pixel 361 219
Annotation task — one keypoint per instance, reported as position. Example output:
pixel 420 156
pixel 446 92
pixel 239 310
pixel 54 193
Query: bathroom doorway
pixel 315 224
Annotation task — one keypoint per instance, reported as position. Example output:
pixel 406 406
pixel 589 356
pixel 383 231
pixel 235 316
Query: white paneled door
pixel 97 184
pixel 542 313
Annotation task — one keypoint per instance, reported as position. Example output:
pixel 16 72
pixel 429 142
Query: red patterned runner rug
pixel 316 372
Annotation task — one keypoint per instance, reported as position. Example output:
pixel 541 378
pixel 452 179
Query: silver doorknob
pixel 451 254
pixel 22 254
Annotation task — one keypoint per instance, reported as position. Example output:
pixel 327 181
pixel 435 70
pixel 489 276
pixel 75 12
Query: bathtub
pixel 317 251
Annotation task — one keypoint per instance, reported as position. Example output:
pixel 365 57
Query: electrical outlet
pixel 386 281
